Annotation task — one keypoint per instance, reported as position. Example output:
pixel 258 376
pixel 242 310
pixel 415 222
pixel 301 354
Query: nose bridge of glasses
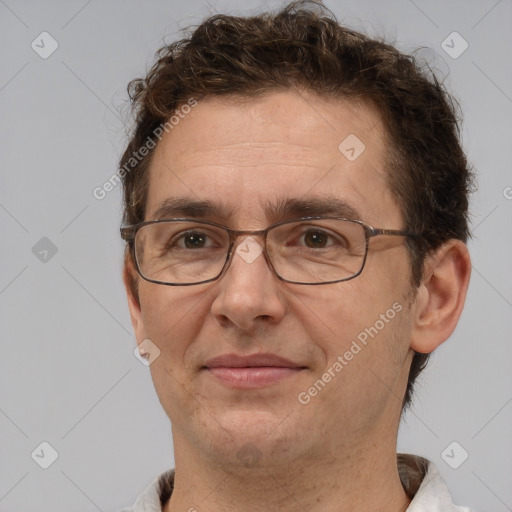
pixel 248 246
pixel 237 233
pixel 238 238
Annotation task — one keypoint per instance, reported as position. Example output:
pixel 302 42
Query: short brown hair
pixel 303 47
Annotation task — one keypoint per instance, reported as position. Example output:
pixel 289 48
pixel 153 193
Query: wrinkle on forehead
pixel 250 152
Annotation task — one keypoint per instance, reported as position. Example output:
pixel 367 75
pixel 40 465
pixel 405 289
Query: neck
pixel 327 484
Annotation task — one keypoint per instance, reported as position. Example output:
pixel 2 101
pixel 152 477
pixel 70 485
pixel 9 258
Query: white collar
pixel 433 495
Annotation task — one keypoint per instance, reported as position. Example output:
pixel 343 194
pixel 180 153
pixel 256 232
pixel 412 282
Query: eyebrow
pixel 186 207
pixel 312 207
pixel 284 208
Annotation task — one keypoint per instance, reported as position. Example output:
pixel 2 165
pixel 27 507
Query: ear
pixel 130 279
pixel 441 296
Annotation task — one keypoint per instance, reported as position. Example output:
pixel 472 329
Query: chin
pixel 249 424
pixel 250 437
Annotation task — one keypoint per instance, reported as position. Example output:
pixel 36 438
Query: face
pixel 325 366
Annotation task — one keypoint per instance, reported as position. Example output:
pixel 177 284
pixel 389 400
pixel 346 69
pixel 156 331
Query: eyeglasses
pixel 310 250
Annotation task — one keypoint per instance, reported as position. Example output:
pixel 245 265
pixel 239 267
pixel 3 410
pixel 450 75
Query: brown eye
pixel 316 239
pixel 194 240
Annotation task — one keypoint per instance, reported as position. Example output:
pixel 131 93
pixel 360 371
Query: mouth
pixel 251 372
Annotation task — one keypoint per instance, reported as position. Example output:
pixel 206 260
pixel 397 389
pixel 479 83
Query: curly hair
pixel 302 46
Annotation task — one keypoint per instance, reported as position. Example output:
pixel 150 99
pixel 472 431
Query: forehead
pixel 247 155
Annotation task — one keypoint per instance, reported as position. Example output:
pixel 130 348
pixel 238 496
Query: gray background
pixel 67 372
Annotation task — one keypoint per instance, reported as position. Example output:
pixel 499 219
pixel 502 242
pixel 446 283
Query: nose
pixel 248 293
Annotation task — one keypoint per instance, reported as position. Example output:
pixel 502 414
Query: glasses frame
pixel 128 233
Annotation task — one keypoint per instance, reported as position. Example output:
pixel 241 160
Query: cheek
pixel 359 330
pixel 362 373
pixel 333 316
pixel 389 270
pixel 172 317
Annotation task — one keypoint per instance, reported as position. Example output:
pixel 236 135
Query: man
pixel 295 217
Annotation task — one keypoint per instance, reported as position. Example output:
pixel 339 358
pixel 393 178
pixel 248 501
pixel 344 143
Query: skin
pixel 328 454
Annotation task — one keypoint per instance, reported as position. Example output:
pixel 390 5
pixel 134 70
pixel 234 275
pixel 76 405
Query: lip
pixel 252 371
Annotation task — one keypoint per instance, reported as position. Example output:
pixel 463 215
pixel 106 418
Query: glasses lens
pixel 317 251
pixel 177 252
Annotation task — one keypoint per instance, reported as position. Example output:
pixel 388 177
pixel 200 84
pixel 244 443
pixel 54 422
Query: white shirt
pixel 431 496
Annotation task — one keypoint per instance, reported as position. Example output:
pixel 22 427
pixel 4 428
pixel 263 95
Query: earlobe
pixel 441 296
